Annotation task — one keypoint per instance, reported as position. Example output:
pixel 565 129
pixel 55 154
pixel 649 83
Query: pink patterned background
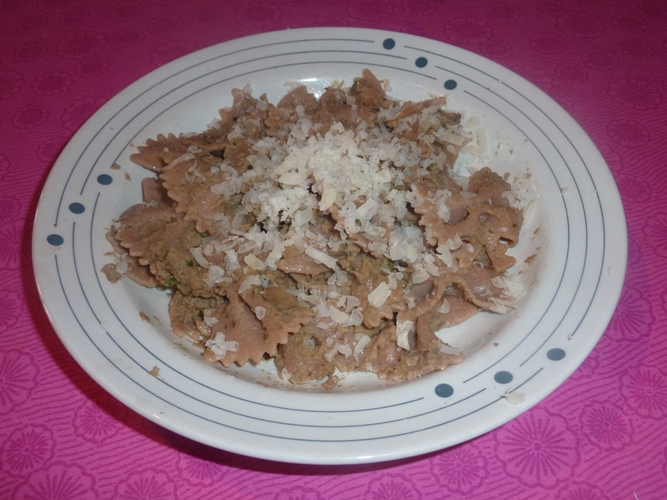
pixel 601 436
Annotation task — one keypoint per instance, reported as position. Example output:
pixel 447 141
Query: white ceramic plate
pixel 573 283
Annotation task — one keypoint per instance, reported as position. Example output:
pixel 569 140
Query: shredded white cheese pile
pixel 356 175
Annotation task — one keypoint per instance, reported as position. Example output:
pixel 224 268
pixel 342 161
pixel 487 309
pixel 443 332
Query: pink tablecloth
pixel 605 61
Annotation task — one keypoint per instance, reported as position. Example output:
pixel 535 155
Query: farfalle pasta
pixel 331 235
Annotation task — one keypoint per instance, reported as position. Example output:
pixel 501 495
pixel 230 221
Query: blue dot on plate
pixel 55 239
pixel 503 377
pixel 76 208
pixel 421 62
pixel 555 354
pixel 389 43
pixel 104 179
pixel 450 84
pixel 444 390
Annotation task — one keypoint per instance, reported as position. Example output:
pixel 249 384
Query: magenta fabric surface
pixel 601 435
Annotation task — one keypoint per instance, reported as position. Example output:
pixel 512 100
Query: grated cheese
pixel 321 257
pixel 260 312
pixel 253 262
pixel 219 345
pixel 380 295
pixel 403 329
pixel 361 342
